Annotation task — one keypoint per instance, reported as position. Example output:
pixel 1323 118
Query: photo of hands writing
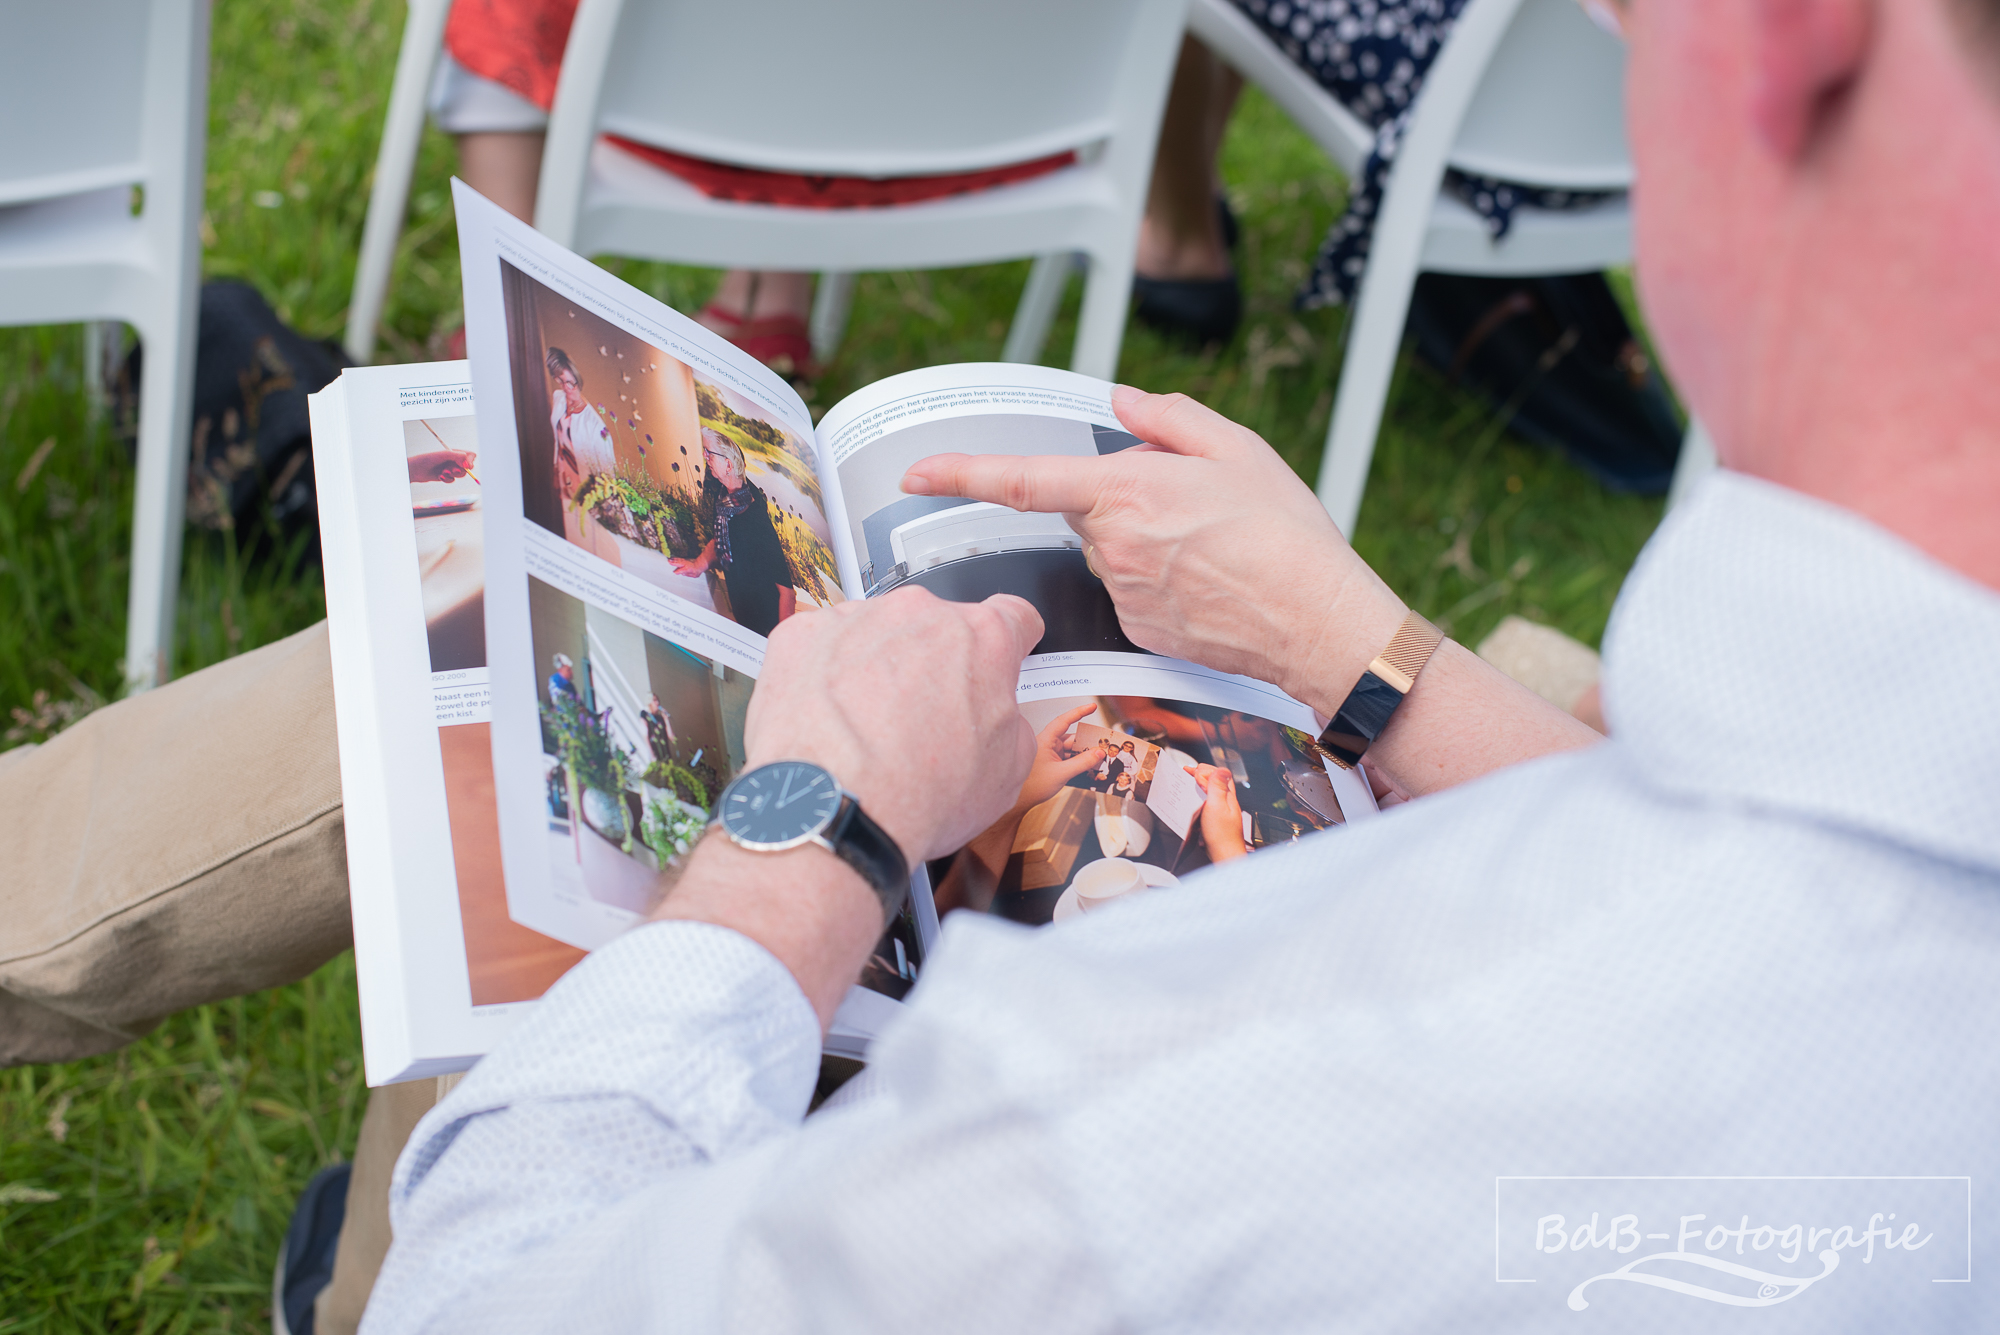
pixel 451 542
pixel 1126 795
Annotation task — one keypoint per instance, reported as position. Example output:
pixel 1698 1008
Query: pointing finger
pixel 1048 484
pixel 1177 423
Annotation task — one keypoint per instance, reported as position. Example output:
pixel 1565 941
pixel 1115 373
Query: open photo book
pixel 550 573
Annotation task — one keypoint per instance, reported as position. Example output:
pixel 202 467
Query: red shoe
pixel 781 342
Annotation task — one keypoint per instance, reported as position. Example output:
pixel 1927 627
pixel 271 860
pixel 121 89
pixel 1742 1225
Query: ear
pixel 1807 53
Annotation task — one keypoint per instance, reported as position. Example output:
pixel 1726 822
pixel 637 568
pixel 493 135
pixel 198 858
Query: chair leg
pixel 832 302
pixel 1374 336
pixel 1697 461
pixel 1036 313
pixel 395 162
pixel 102 341
pixel 1100 331
pixel 166 402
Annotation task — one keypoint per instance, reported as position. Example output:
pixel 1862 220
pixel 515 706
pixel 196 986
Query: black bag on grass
pixel 251 466
pixel 1556 350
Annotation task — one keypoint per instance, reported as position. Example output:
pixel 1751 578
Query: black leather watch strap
pixel 867 847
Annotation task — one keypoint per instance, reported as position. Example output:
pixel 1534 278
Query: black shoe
pixel 1226 218
pixel 1200 311
pixel 305 1261
pixel 1562 348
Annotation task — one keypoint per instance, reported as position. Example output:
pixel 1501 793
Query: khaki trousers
pixel 181 847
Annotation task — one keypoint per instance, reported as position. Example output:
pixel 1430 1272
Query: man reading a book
pixel 1752 936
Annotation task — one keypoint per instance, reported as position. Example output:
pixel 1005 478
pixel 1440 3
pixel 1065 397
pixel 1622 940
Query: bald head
pixel 1816 183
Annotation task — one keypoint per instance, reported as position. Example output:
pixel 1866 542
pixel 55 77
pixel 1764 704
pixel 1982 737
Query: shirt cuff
pixel 697 1023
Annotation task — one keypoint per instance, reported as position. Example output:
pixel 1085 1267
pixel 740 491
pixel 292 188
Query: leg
pixel 1181 236
pixel 393 1112
pixel 505 166
pixel 177 847
pixel 764 312
pixel 757 294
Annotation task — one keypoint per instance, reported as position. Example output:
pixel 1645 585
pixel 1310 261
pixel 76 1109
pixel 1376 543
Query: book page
pixel 1122 804
pixel 654 509
pixel 444 970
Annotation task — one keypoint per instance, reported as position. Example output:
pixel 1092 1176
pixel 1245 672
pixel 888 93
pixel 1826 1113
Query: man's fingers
pixel 1176 422
pixel 1048 484
pixel 1022 622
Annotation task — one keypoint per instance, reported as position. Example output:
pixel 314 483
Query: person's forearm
pixel 675 1046
pixel 1463 718
pixel 807 907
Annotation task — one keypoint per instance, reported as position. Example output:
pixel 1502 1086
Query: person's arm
pixel 441 465
pixel 1221 813
pixel 692 1040
pixel 699 565
pixel 1188 531
pixel 975 872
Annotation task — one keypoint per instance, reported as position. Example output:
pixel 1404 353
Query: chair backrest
pixel 72 96
pixel 1550 106
pixel 889 88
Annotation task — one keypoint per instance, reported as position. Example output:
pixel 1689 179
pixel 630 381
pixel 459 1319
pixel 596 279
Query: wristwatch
pixel 790 803
pixel 1368 707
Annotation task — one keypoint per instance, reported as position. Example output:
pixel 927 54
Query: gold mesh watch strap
pixel 1409 649
pixel 1368 707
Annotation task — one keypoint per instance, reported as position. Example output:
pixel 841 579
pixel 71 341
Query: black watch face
pixel 779 804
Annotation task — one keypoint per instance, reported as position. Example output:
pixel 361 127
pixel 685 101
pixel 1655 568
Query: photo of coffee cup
pixel 1105 880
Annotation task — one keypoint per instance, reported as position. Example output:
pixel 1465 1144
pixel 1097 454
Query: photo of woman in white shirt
pixel 583 442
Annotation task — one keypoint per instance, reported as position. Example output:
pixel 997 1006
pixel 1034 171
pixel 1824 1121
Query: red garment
pixel 748 185
pixel 518 44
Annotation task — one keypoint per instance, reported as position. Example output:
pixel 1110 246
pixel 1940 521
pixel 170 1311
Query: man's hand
pixel 1213 550
pixel 1211 547
pixel 909 701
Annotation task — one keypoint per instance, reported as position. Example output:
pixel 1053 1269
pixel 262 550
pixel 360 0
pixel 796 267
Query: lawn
pixel 148 1190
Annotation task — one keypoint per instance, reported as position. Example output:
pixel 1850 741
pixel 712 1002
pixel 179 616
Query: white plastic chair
pixel 1524 90
pixel 889 88
pixel 395 160
pixel 100 96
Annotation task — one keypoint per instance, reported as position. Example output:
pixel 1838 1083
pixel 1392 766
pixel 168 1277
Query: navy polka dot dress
pixel 1373 55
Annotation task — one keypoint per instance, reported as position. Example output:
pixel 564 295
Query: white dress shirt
pixel 1749 945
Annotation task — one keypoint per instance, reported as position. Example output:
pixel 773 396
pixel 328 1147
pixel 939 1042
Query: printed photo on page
pixel 663 514
pixel 673 477
pixel 671 502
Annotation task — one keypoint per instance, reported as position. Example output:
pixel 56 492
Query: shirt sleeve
pixel 679 1044
pixel 635 1158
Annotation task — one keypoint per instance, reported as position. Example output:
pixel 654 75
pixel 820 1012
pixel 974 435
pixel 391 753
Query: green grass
pixel 178 1159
